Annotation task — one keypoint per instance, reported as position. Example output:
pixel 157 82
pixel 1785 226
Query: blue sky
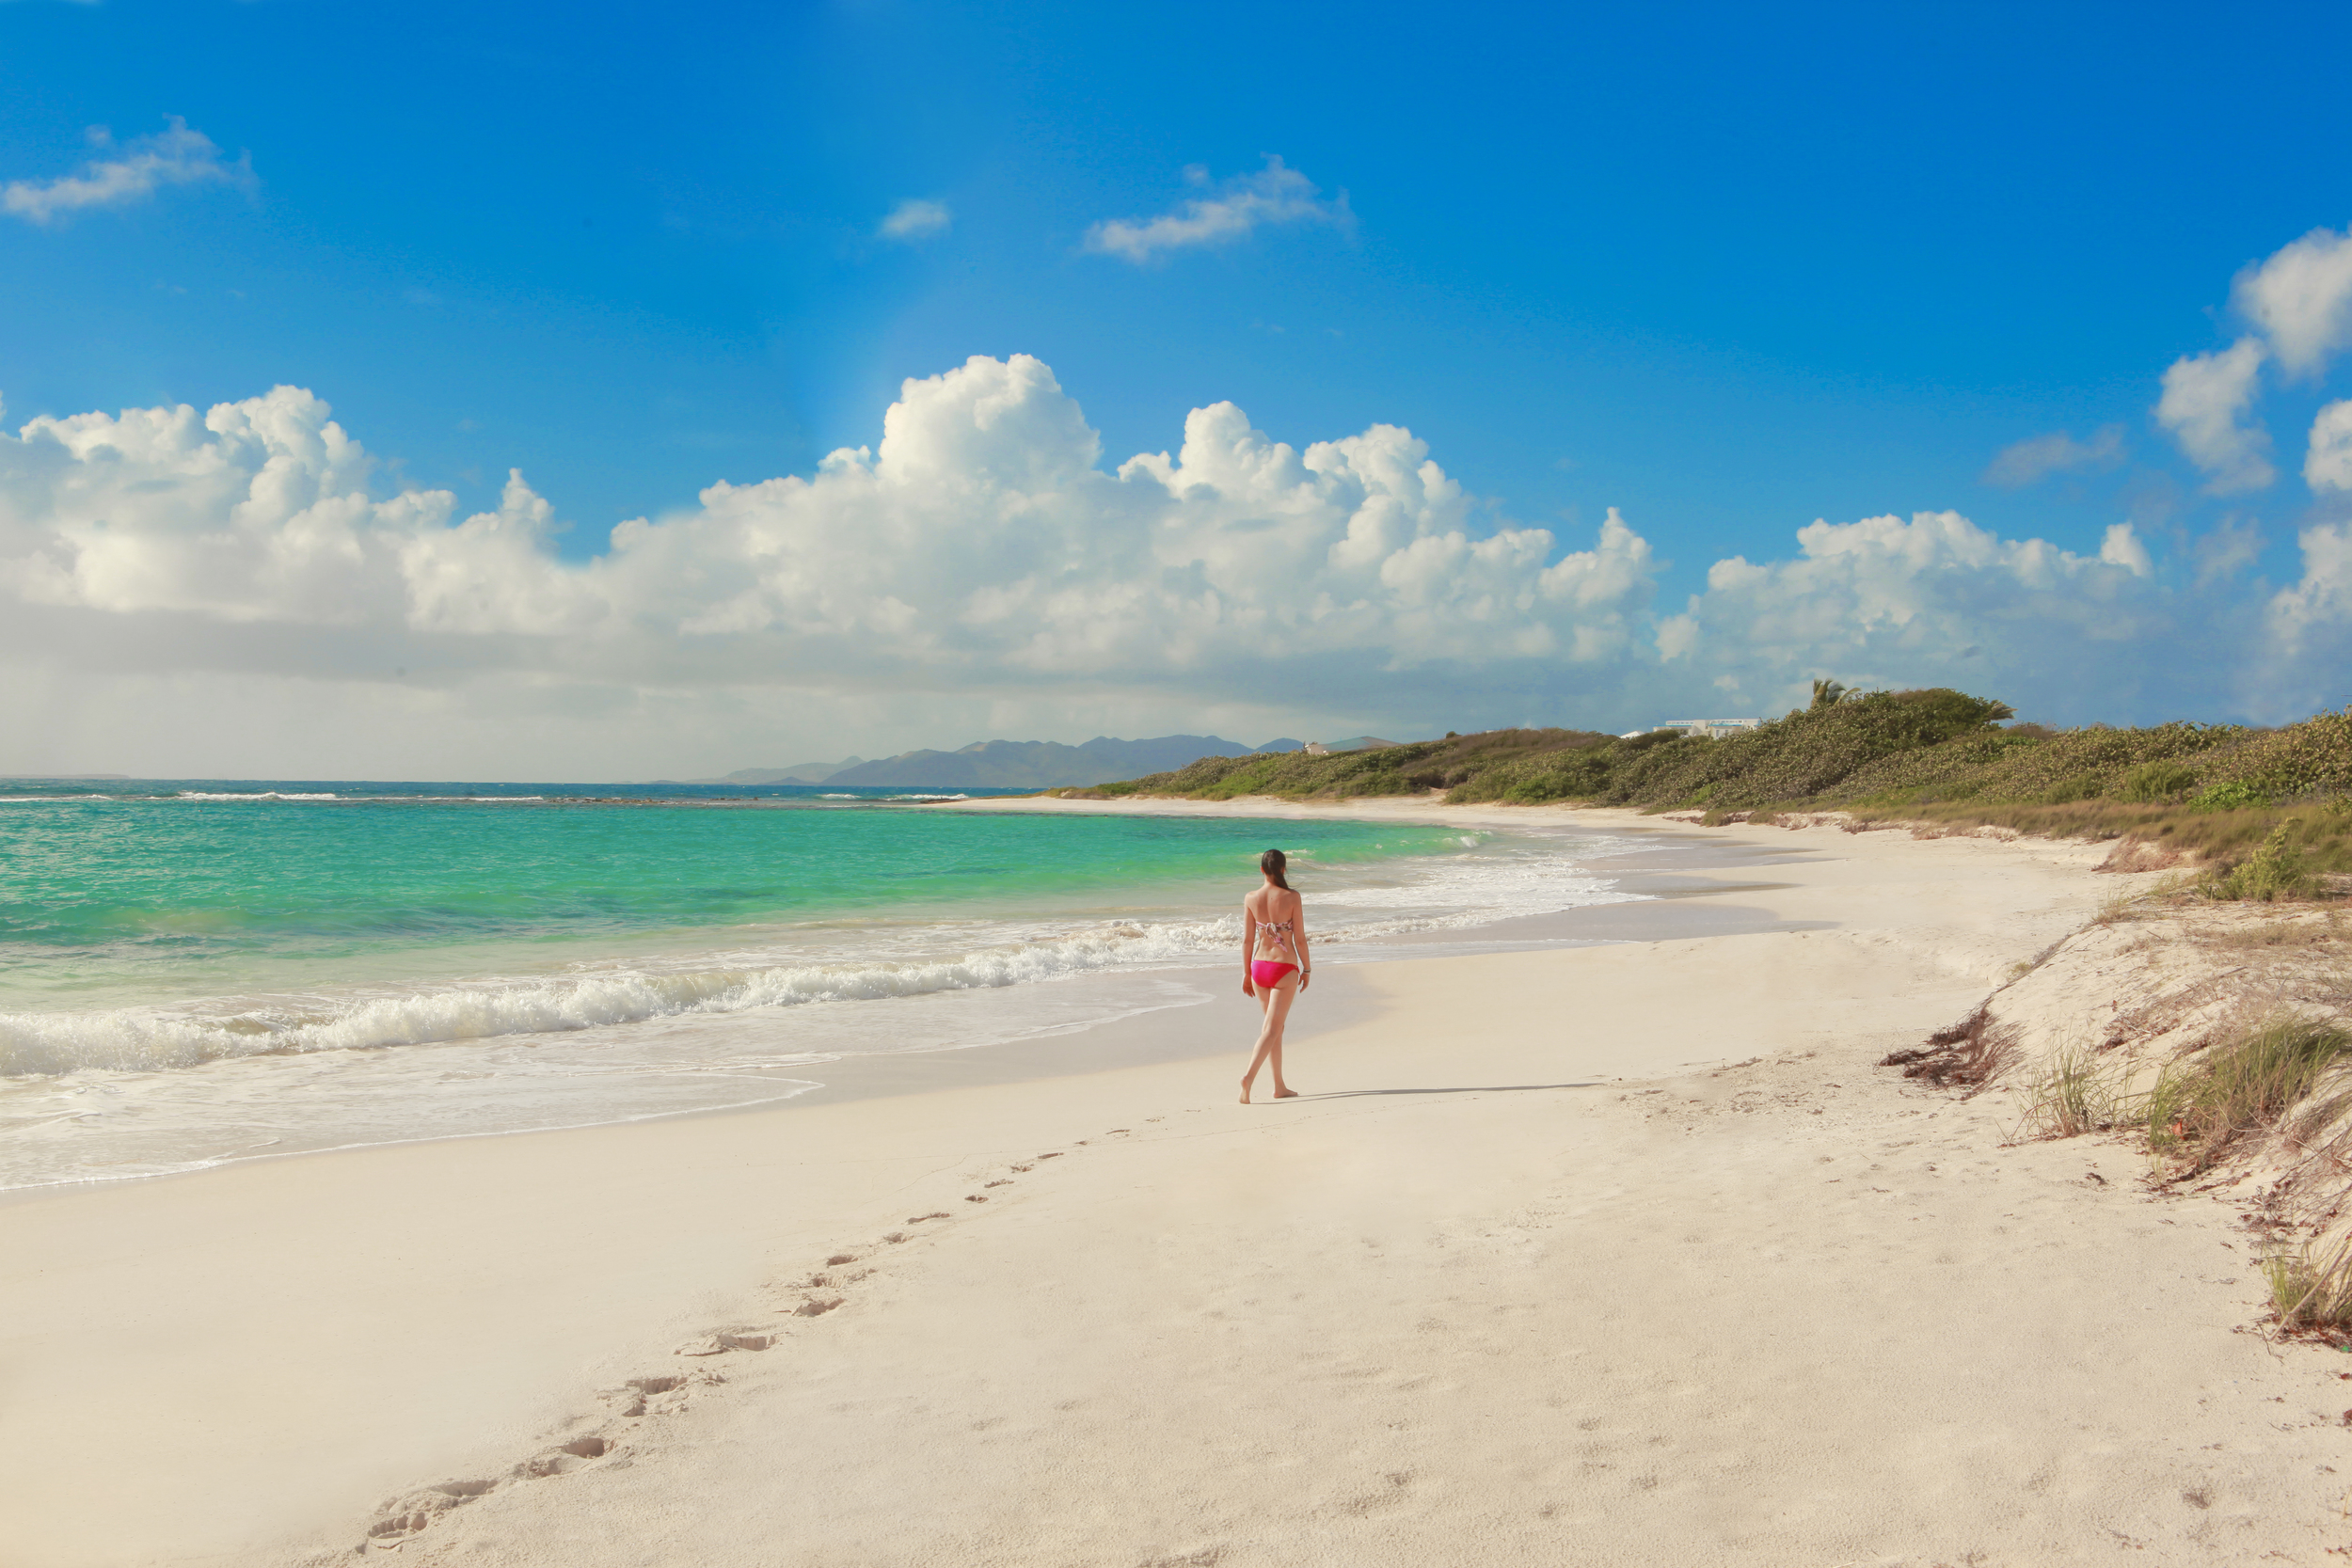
pixel 1727 271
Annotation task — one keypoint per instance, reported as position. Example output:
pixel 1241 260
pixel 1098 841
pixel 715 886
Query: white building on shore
pixel 1358 743
pixel 1711 729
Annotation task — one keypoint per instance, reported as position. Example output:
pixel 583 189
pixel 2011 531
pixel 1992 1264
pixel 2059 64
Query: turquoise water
pixel 191 972
pixel 142 898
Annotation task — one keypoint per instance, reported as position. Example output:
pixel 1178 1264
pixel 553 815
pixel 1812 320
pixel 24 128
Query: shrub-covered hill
pixel 2213 790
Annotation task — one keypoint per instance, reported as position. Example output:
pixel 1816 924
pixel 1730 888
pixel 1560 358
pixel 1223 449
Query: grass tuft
pixel 2198 1111
pixel 2071 1098
pixel 2310 1288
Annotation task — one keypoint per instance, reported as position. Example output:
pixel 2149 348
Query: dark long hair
pixel 1272 863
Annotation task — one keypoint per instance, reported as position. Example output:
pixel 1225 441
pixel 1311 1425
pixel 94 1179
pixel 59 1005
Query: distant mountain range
pixel 1044 763
pixel 1009 764
pixel 800 772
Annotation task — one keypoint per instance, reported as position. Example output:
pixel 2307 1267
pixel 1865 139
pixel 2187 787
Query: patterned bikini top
pixel 1276 932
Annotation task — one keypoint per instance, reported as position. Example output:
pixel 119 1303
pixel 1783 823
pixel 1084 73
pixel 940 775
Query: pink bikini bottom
pixel 1266 972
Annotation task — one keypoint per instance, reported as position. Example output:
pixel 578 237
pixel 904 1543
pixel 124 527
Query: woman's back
pixel 1276 910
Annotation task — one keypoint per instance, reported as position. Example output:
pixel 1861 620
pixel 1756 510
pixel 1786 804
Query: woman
pixel 1273 964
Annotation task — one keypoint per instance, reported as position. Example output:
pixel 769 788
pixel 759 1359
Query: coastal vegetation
pixel 2266 812
pixel 2277 1084
pixel 2211 1035
pixel 2242 1058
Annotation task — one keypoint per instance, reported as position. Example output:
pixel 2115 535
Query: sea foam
pixel 1449 896
pixel 148 1038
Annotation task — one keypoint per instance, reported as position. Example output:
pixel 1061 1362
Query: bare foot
pixel 1245 1091
pixel 1286 1094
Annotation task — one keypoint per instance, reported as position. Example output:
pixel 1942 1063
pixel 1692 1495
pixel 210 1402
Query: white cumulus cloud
pixel 1275 194
pixel 2328 462
pixel 1886 602
pixel 980 543
pixel 2205 400
pixel 916 219
pixel 2028 462
pixel 176 156
pixel 981 570
pixel 2301 298
pixel 2313 617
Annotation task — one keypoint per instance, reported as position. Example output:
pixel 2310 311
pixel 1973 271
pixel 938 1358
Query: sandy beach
pixel 1619 1253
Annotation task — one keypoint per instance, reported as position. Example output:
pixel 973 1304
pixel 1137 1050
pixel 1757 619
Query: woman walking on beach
pixel 1273 964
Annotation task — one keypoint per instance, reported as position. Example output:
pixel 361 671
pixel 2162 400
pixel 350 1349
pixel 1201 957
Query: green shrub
pixel 2192 790
pixel 2274 871
pixel 2313 757
pixel 1800 756
pixel 2080 787
pixel 2162 780
pixel 2228 796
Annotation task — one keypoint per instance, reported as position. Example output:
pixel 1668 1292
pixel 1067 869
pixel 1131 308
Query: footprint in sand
pixel 403 1518
pixel 1002 1181
pixel 563 1458
pixel 635 1392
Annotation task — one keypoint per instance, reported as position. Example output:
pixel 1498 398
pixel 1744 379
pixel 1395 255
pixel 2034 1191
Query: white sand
pixel 1482 1303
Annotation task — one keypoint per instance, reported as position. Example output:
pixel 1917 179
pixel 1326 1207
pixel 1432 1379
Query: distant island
pixel 799 773
pixel 1011 763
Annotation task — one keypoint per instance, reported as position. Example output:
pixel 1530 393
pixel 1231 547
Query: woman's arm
pixel 1299 929
pixel 1248 945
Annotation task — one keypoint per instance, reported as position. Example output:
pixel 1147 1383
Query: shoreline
pixel 979 1049
pixel 273 1349
pixel 471 1039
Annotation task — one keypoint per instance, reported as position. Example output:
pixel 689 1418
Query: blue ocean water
pixel 193 971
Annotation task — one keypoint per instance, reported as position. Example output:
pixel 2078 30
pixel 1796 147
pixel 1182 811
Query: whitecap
pixel 263 795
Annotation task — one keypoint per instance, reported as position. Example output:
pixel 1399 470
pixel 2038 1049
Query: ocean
pixel 195 971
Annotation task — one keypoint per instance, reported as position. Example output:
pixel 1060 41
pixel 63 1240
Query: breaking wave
pixel 191 1035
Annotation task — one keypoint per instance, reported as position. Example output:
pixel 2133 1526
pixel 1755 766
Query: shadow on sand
pixel 1467 1089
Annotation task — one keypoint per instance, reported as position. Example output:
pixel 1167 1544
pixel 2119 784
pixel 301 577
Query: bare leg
pixel 1265 1006
pixel 1276 1002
